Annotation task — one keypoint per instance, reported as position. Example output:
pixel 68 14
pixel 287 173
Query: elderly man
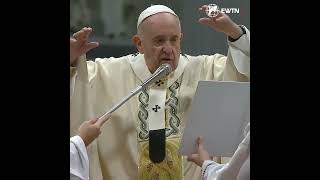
pixel 142 138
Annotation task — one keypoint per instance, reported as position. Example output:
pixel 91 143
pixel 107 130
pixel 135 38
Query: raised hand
pixel 221 23
pixel 79 44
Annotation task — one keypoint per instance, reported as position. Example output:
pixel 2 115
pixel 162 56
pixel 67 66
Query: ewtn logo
pixel 230 10
pixel 213 10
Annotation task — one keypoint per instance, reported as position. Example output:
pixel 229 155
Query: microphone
pixel 162 71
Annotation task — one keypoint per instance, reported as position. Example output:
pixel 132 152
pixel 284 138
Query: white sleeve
pixel 240 53
pixel 211 169
pixel 80 72
pixel 230 171
pixel 239 162
pixel 72 84
pixel 73 177
pixel 79 162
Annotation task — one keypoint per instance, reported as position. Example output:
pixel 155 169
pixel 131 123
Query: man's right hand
pixel 79 44
pixel 90 130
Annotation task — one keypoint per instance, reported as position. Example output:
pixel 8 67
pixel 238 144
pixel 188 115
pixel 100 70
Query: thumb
pixel 93 120
pixel 90 46
pixel 193 157
pixel 204 21
pixel 102 120
pixel 207 21
pixel 200 142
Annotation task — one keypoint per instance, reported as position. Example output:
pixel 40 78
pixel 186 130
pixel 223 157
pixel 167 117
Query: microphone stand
pixel 155 76
pixel 125 99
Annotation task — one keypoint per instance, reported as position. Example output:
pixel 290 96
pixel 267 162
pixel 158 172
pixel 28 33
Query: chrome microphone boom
pixel 162 71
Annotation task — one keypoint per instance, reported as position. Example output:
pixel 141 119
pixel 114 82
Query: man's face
pixel 160 40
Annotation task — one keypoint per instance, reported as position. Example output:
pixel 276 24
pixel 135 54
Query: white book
pixel 219 112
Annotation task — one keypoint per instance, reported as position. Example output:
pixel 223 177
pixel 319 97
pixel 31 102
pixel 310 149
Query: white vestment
pixel 121 151
pixel 238 168
pixel 79 162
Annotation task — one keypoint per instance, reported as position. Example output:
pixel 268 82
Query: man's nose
pixel 167 48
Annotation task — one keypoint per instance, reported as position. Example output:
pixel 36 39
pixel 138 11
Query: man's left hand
pixel 221 23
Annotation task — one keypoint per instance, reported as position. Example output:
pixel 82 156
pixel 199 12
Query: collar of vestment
pixel 141 70
pixel 157 91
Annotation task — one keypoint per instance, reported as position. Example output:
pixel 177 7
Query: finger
pixel 72 40
pixel 193 157
pixel 85 35
pixel 102 120
pixel 219 16
pixel 203 8
pixel 90 46
pixel 200 142
pixel 80 32
pixel 206 21
pixel 84 47
pixel 94 120
pixel 77 34
pixel 97 128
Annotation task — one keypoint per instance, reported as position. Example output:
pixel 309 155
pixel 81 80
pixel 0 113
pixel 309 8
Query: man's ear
pixel 181 37
pixel 136 40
